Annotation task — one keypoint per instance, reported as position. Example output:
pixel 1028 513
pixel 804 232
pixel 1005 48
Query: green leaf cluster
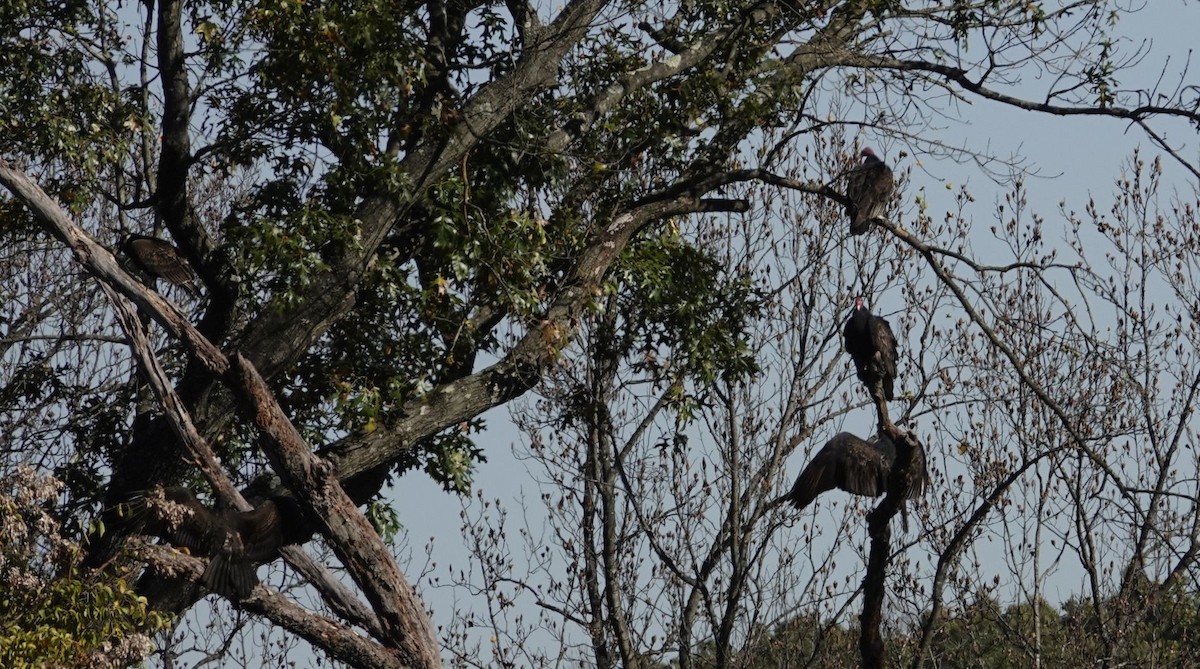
pixel 53 613
pixel 56 101
pixel 681 304
pixel 67 620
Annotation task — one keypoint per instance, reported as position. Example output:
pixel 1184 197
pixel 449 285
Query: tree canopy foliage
pixel 983 633
pixel 402 215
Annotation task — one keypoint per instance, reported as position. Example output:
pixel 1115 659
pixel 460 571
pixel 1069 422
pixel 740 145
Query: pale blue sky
pixel 1082 155
pixel 1079 157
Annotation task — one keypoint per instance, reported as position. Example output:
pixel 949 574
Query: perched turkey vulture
pixel 235 540
pixel 870 342
pixel 161 260
pixel 868 188
pixel 856 466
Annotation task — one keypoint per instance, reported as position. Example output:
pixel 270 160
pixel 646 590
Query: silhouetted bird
pixel 868 188
pixel 234 540
pixel 856 466
pixel 872 346
pixel 160 260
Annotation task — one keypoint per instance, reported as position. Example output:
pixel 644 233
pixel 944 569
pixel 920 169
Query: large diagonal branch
pixel 400 613
pixel 367 559
pixel 402 619
pixel 522 367
pixel 340 641
pixel 279 336
pixel 100 262
pixel 340 598
pixel 282 333
pixel 172 406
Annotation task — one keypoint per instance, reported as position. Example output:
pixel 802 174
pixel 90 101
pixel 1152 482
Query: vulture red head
pixel 872 346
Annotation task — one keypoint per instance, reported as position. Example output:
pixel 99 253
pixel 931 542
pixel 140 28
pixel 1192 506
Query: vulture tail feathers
pixel 230 576
pixel 859 225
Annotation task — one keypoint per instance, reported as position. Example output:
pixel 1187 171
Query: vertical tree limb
pixel 870 643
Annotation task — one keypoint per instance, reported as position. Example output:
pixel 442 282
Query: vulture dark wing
pixel 845 462
pixel 234 540
pixel 819 476
pixel 254 536
pixel 884 343
pixel 868 187
pixel 176 516
pixel 865 466
pixel 856 466
pixel 230 574
pixel 276 522
pixel 161 260
pixel 919 475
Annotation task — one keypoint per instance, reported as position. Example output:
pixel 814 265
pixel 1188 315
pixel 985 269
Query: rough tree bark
pixel 405 627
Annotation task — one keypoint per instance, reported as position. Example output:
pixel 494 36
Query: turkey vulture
pixel 868 189
pixel 870 342
pixel 235 540
pixel 161 260
pixel 856 466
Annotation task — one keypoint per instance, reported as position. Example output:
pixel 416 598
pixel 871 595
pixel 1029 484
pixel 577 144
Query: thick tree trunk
pixel 908 449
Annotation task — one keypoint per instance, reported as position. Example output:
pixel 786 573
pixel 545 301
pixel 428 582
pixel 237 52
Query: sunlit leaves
pixel 55 614
pixel 338 74
pixel 385 520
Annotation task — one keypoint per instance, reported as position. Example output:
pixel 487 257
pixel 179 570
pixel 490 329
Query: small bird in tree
pixel 234 540
pixel 872 346
pixel 849 463
pixel 160 260
pixel 868 189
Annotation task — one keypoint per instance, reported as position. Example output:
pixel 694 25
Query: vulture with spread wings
pixel 869 187
pixel 160 260
pixel 234 540
pixel 872 346
pixel 849 463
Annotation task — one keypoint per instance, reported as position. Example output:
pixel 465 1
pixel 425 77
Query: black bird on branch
pixel 872 346
pixel 161 260
pixel 234 540
pixel 849 463
pixel 869 186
